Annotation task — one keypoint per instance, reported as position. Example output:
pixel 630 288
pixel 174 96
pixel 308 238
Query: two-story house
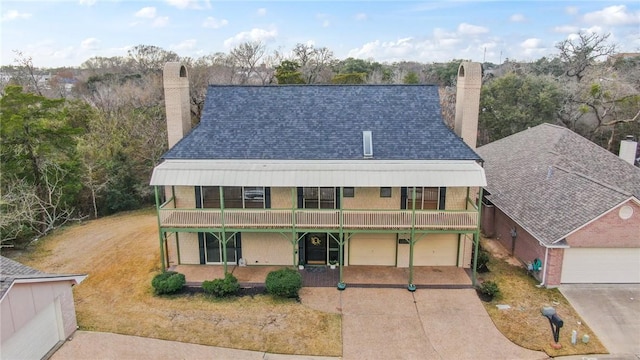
pixel 316 174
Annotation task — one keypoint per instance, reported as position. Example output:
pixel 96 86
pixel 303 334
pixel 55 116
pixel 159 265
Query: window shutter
pixel 238 247
pixel 337 198
pixel 201 247
pixel 198 197
pixel 267 198
pixel 403 198
pixel 300 199
pixel 443 197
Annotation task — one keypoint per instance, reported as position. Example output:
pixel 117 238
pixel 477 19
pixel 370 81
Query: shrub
pixel 168 282
pixel 222 287
pixel 489 289
pixel 285 282
pixel 483 260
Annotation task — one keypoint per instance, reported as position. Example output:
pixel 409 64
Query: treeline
pixel 81 142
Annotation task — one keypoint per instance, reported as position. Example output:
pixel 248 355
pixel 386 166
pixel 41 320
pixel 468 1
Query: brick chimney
pixel 468 102
pixel 176 101
pixel 628 148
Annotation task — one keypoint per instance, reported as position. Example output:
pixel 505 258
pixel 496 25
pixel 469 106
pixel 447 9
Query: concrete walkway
pixel 106 346
pixel 387 323
pixel 377 323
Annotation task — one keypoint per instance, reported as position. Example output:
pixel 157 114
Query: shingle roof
pixel 11 270
pixel 321 122
pixel 552 181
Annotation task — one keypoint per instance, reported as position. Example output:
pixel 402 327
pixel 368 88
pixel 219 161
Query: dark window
pixel 426 198
pixel 319 198
pixel 235 197
pixel 348 192
pixel 385 192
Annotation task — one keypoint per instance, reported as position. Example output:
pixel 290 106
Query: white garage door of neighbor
pixel 372 249
pixel 36 338
pixel 601 265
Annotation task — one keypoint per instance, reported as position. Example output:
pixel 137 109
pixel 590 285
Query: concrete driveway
pixel 386 323
pixel 612 312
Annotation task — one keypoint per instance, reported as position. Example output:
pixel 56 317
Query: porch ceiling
pixel 365 173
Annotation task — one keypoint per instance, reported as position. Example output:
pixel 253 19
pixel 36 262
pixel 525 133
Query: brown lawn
pixel 120 254
pixel 523 323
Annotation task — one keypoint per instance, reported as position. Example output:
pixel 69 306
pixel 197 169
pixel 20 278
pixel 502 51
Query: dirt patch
pixel 499 252
pixel 120 254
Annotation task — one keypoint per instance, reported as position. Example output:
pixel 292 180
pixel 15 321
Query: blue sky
pixel 66 33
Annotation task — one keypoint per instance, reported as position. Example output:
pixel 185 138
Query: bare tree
pixel 313 62
pixel 27 75
pixel 247 56
pixel 582 52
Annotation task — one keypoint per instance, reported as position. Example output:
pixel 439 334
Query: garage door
pixel 436 250
pixel 601 265
pixel 372 249
pixel 36 338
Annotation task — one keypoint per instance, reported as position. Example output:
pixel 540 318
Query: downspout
pixel 160 232
pixel 544 267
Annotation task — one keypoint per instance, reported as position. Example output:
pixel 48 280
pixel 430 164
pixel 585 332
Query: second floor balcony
pixel 399 220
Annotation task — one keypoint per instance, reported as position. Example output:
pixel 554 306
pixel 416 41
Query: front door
pixel 316 249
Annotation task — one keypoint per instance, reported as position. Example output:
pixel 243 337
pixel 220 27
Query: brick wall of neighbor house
pixel 189 248
pixel 610 229
pixel 266 249
pixel 527 247
pixel 554 268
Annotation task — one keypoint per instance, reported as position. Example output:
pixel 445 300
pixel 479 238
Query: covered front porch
pixel 324 276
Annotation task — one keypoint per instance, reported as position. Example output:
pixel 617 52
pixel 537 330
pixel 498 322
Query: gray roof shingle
pixel 552 181
pixel 11 270
pixel 321 122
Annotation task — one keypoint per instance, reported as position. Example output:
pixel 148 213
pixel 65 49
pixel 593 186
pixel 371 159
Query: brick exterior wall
pixel 610 230
pixel 554 268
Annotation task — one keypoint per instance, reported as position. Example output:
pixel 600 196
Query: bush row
pixel 285 282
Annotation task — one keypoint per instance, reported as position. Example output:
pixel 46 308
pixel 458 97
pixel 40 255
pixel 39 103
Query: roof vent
pixel 367 144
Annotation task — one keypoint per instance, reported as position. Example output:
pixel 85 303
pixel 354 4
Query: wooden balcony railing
pixel 401 220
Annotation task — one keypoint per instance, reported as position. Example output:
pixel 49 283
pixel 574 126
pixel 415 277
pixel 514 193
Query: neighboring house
pixel 37 310
pixel 287 175
pixel 555 196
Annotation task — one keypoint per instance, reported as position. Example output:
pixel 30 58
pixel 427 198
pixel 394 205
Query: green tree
pixel 411 78
pixel 349 78
pixel 38 152
pixel 513 103
pixel 288 73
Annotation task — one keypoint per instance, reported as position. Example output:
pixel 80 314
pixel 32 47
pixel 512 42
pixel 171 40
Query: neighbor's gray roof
pixel 321 122
pixel 552 181
pixel 11 271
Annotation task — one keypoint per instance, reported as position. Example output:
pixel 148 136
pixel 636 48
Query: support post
pixel 341 284
pixel 294 236
pixel 223 236
pixel 411 286
pixel 160 232
pixel 476 235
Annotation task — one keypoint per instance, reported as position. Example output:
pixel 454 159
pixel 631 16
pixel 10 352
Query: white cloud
pixel 517 18
pixel 190 4
pixel 612 15
pixel 87 2
pixel 261 12
pixel 14 15
pixel 361 16
pixel 468 29
pixel 161 21
pixel 532 43
pixel 213 23
pixel 90 44
pixel 252 35
pixel 146 12
pixel 189 44
pixel 571 10
pixel 566 29
pixel 326 23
